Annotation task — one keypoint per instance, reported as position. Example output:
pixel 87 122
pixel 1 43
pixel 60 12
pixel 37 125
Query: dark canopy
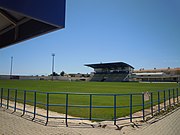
pixel 25 19
pixel 109 65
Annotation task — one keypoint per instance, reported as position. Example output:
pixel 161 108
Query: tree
pixel 54 74
pixel 62 73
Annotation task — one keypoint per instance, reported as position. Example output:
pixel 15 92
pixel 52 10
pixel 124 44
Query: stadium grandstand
pixel 157 75
pixel 111 72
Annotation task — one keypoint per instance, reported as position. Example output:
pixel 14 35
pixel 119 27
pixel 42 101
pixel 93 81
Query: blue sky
pixel 142 33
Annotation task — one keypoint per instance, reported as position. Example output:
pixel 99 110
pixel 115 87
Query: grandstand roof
pixel 21 20
pixel 109 65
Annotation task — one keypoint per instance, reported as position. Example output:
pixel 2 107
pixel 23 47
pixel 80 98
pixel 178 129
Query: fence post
pixel 114 109
pixel 34 105
pixel 152 104
pixel 66 110
pixel 173 98
pixel 177 92
pixel 130 107
pixel 143 106
pixel 15 100
pixel 47 108
pixel 24 104
pixel 169 96
pixel 90 107
pixel 164 100
pixel 158 102
pixel 8 98
pixel 1 96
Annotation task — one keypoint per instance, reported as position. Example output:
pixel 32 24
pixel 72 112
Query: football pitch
pixel 83 100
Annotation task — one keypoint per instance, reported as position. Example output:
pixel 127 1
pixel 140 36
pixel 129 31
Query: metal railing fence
pixel 136 101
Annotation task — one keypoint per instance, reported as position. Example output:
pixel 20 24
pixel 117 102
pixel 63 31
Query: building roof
pixel 109 65
pixel 151 74
pixel 157 70
pixel 21 20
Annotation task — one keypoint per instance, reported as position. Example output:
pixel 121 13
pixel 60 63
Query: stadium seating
pixel 110 77
pixel 111 72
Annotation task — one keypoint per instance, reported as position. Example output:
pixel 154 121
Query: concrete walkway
pixel 11 124
pixel 166 125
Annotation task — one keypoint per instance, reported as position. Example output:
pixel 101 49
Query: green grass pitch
pixel 86 87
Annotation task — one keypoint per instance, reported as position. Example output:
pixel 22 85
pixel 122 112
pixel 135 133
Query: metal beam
pixel 13 26
pixel 8 17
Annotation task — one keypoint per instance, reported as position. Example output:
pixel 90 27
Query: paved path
pixel 11 124
pixel 169 125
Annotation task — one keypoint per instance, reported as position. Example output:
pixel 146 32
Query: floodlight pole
pixel 11 67
pixel 53 54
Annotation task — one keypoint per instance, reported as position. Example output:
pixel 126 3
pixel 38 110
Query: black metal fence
pixel 147 101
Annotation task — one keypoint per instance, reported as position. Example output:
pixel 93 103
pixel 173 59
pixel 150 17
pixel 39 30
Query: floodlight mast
pixel 53 55
pixel 11 69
